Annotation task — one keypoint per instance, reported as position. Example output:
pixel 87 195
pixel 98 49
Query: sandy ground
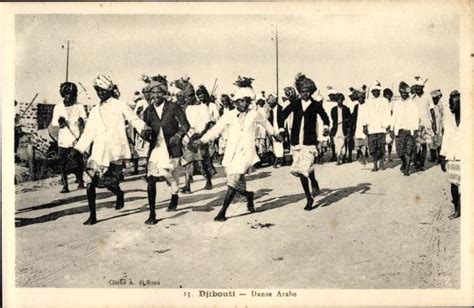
pixel 371 230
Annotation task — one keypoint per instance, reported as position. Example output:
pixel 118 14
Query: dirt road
pixel 371 230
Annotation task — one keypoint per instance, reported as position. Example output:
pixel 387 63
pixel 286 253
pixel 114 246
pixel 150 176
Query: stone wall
pixel 33 123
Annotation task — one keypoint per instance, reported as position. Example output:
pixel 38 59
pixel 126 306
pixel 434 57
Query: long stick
pixel 214 87
pixel 67 62
pixel 276 48
pixel 28 107
pixel 212 93
pixel 85 90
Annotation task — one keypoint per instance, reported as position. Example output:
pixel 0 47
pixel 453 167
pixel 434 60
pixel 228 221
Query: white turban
pixel 244 92
pixel 104 81
pixel 419 81
pixel 376 86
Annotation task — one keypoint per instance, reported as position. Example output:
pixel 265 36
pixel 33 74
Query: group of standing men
pixel 175 129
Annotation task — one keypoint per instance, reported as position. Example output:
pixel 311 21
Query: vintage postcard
pixel 237 154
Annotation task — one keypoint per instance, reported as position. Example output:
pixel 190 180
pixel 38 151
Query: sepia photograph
pixel 238 152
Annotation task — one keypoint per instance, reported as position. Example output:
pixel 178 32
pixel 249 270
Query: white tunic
pixel 106 129
pixel 198 117
pixel 423 105
pixel 439 114
pixel 240 153
pixel 213 112
pixel 452 139
pixel 405 116
pixel 361 115
pixel 67 136
pixel 377 116
pixel 159 163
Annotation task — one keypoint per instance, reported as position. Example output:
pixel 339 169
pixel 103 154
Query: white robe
pixel 67 136
pixel 106 129
pixel 377 115
pixel 240 153
pixel 453 142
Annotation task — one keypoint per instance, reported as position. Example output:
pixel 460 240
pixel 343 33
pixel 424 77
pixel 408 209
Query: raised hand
pixel 290 92
pixel 278 137
pixel 62 122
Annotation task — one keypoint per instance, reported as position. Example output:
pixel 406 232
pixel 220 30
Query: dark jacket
pixel 279 119
pixel 173 121
pixel 309 115
pixel 346 120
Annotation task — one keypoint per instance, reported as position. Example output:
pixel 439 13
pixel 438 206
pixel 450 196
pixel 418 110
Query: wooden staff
pixel 28 107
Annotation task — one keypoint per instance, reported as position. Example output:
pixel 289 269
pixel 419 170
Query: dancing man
pixel 376 124
pixel 198 116
pixel 70 117
pixel 303 133
pixel 106 129
pixel 168 126
pixel 451 151
pixel 240 153
pixel 341 121
pixel 406 127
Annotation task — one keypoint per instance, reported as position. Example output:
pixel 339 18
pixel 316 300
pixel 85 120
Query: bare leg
pixel 151 190
pixel 309 198
pixel 390 152
pixel 424 149
pixel 382 164
pixel 407 166
pixel 187 176
pixel 80 179
pixel 173 203
pixel 404 163
pixel 227 201
pixel 314 184
pixel 135 165
pixel 376 167
pixel 207 172
pixel 91 195
pixel 456 201
pixel 115 189
pixel 65 183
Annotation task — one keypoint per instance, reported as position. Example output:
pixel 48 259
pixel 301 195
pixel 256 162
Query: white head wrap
pixel 418 81
pixel 104 81
pixel 244 92
pixel 376 86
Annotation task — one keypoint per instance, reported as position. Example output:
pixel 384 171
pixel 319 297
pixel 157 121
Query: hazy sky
pixel 337 50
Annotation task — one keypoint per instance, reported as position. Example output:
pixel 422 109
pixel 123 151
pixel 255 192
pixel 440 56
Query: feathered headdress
pixel 244 82
pixel 301 81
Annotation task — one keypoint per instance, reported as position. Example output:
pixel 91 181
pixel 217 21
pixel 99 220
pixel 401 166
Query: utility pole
pixel 276 49
pixel 67 62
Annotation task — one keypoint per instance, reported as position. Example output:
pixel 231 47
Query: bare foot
pixel 454 215
pixel 186 190
pixel 151 220
pixel 208 186
pixel 120 202
pixel 250 205
pixel 220 217
pixel 91 221
pixel 64 190
pixel 309 205
pixel 315 191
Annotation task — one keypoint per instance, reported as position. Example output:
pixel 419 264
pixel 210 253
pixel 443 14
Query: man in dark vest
pixel 168 126
pixel 341 122
pixel 303 133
